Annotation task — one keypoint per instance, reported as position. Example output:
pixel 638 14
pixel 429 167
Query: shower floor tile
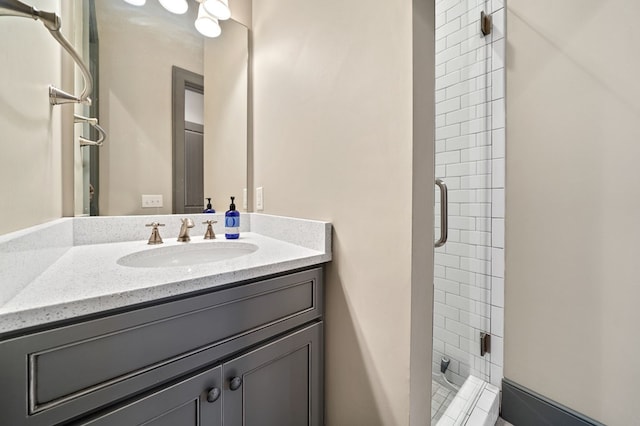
pixel 441 397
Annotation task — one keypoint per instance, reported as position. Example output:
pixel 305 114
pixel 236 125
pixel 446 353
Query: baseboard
pixel 523 407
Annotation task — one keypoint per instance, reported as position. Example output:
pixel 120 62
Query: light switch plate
pixel 259 199
pixel 151 201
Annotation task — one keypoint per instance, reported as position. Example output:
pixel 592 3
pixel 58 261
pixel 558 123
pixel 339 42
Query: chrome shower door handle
pixel 444 213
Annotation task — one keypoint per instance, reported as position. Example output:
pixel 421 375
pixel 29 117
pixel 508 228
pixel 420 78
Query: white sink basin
pixel 187 254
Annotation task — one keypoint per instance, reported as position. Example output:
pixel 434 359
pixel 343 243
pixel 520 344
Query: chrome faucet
pixel 183 237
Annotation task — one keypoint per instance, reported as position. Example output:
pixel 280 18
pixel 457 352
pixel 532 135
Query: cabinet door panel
pixel 184 403
pixel 278 384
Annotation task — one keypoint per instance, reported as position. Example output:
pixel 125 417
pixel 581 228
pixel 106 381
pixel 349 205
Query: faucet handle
pixel 155 237
pixel 209 234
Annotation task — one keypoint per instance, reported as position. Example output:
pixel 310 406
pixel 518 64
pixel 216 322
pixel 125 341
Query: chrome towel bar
pixel 93 122
pixel 52 22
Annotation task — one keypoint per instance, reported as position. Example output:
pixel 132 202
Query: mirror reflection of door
pixel 188 141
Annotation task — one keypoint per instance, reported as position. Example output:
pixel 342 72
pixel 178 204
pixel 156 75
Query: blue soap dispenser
pixel 232 222
pixel 209 208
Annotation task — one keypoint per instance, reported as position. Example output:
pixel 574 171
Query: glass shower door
pixel 465 156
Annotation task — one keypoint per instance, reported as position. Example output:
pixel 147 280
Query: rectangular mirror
pixel 134 52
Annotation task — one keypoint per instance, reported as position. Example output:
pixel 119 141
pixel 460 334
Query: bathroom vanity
pixel 235 343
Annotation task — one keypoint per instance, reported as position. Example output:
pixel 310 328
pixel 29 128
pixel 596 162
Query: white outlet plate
pixel 259 199
pixel 151 201
pixel 244 199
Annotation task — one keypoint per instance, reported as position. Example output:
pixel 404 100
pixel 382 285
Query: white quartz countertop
pixel 88 279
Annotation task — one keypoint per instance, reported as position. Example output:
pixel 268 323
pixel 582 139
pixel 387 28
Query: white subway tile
pixel 475 182
pixel 440 146
pixel 497 197
pixel 447 286
pixel 475 154
pixel 462 88
pixel 483 281
pixel 483 110
pixel 461 142
pixel 498 114
pixel 463 277
pixel 462 250
pixel 476 210
pixel 441 95
pixel 447 55
pixel 473 15
pixel 497 233
pixel 441 70
pixel 462 169
pixel 497 84
pixel 474 70
pixel 451 27
pixel 483 167
pixel 483 138
pixel 474 126
pixel 483 253
pixel 475 265
pixel 496 375
pixel 444 5
pixel 498 173
pixel 456 11
pixel 476 237
pixel 497 261
pixel 447 260
pixel 448 157
pixel 446 311
pixel 441 19
pixel 483 309
pixel 446 336
pixel 438 321
pixel 440 121
pixel 474 320
pixel 483 195
pixel 453 183
pixel 497 54
pixel 439 271
pixel 447 106
pixel 438 296
pixel 496 4
pixel 460 329
pixel 462 223
pixel 483 224
pixel 498 143
pixel 461 303
pixel 448 80
pixel 461 61
pixel 498 19
pixel 474 98
pixel 497 350
pixel 497 291
pixel 461 115
pixel 462 34
pixel 441 171
pixel 448 132
pixel 462 196
pixel 474 293
pixel 441 45
pixel 438 346
pixel 497 321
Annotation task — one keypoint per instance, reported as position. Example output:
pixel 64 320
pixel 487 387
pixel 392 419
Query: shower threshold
pixel 475 404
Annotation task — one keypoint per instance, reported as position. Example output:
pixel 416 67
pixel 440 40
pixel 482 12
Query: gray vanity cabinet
pixel 278 384
pixel 248 354
pixel 193 402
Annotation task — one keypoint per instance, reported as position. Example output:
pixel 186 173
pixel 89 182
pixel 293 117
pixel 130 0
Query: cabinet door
pixel 194 401
pixel 278 384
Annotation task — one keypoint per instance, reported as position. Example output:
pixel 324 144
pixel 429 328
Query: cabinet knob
pixel 213 395
pixel 235 383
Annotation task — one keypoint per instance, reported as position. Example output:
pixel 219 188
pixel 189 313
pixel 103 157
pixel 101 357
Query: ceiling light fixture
pixel 178 7
pixel 206 24
pixel 209 12
pixel 218 8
